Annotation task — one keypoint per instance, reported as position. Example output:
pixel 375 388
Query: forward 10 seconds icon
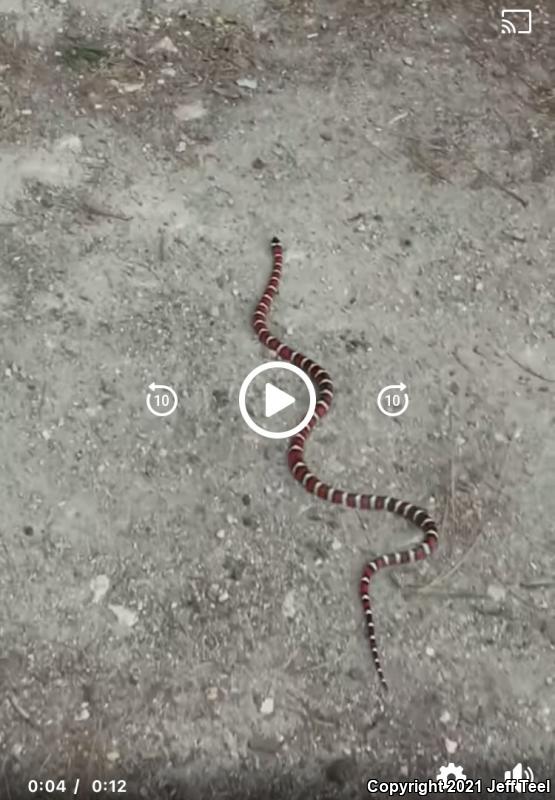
pixel 393 400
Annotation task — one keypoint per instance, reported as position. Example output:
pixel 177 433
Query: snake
pixel 321 379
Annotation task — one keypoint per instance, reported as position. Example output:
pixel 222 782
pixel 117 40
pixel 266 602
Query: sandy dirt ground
pixel 175 612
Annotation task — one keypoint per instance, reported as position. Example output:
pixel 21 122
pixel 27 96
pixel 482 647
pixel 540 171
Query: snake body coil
pixel 366 502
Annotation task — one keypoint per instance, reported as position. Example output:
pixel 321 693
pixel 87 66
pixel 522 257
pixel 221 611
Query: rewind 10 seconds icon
pixel 516 20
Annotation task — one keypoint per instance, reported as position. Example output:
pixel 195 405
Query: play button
pixel 276 400
pixel 300 400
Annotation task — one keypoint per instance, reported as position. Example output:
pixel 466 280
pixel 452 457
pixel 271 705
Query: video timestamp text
pixel 75 786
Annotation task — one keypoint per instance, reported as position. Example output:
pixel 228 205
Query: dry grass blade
pixel 539 583
pixel 530 371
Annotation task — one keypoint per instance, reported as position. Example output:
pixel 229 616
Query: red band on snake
pixel 366 502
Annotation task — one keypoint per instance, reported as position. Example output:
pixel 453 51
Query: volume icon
pixel 517 774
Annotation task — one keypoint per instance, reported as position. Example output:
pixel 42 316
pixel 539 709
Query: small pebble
pixel 186 112
pixel 451 746
pixel 288 605
pixel 165 45
pixel 125 616
pixel 99 586
pixel 83 715
pixel 340 770
pixel 247 83
pixel 71 143
pixel 496 592
pixel 267 706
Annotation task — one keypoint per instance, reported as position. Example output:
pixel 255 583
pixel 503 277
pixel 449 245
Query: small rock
pixel 220 534
pixel 212 693
pixel 288 605
pixel 83 714
pixel 496 592
pixel 445 717
pixel 71 143
pixel 186 112
pixel 326 136
pixel 258 163
pixel 430 652
pixel 408 61
pixel 451 746
pixel 267 706
pixel 214 312
pixel 127 87
pixel 336 545
pixel 181 147
pixel 247 83
pixel 499 70
pixel 340 770
pixel 165 45
pixel 112 756
pixel 99 586
pixel 125 616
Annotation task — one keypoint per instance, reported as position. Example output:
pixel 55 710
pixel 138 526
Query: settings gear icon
pixel 450 770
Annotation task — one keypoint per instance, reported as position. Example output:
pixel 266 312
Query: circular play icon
pixel 276 400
